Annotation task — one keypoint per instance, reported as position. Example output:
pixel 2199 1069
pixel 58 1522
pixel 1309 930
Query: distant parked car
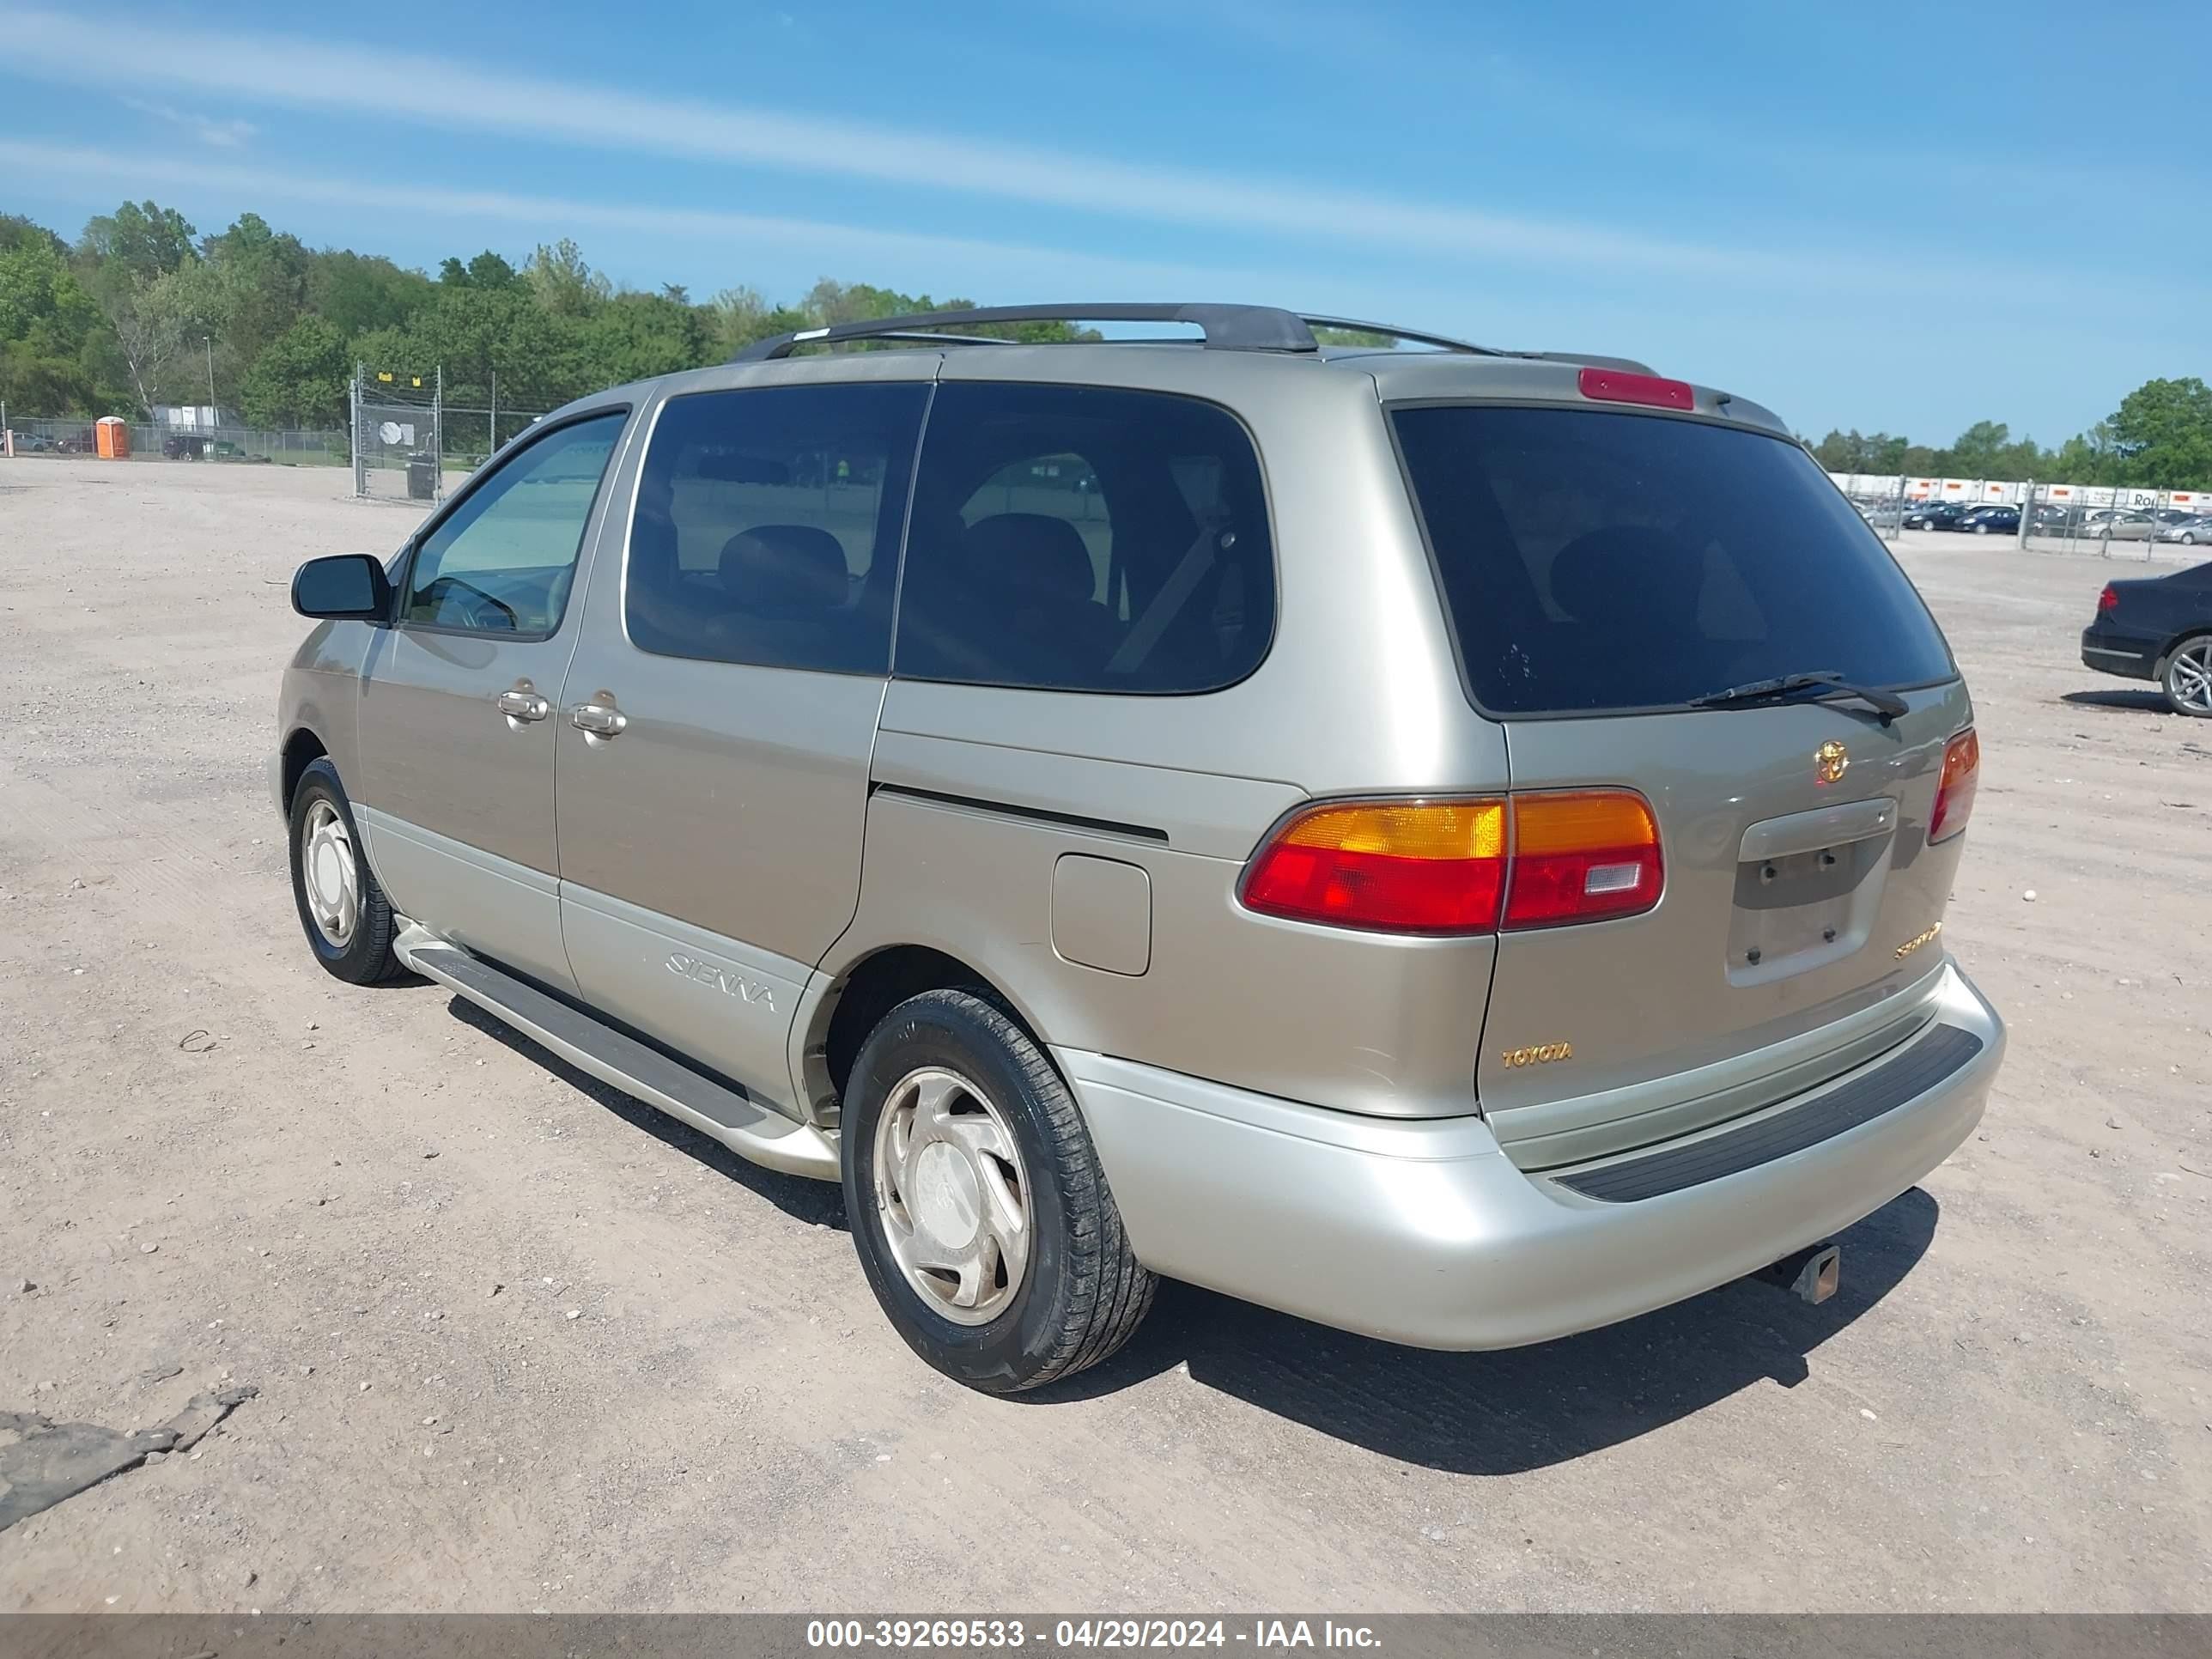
pixel 1993 520
pixel 184 446
pixel 2120 524
pixel 2048 516
pixel 1935 515
pixel 2158 628
pixel 1882 515
pixel 2193 530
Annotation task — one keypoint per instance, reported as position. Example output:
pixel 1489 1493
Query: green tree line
pixel 141 309
pixel 2159 438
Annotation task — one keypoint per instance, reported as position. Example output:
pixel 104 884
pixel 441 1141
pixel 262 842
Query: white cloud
pixel 546 217
pixel 223 135
pixel 1460 244
pixel 308 75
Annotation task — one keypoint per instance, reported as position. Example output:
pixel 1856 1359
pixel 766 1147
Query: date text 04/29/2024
pixel 1262 1635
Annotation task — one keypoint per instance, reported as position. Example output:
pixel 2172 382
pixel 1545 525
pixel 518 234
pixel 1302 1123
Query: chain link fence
pixel 398 451
pixel 43 435
pixel 2148 524
pixel 2112 522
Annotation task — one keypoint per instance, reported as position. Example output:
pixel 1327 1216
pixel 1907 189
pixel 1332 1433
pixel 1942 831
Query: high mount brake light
pixel 1618 385
pixel 1954 790
pixel 1461 867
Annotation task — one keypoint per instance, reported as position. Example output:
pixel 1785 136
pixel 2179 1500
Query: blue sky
pixel 1908 220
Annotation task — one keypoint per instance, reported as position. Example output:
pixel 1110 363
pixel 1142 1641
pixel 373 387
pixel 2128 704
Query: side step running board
pixel 754 1131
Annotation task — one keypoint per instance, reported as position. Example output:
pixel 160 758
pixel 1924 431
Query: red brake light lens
pixel 1460 867
pixel 1391 866
pixel 2108 600
pixel 1954 790
pixel 1618 385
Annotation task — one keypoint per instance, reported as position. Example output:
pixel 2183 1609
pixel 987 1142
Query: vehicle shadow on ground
pixel 1525 1408
pixel 818 1203
pixel 2130 703
pixel 1465 1413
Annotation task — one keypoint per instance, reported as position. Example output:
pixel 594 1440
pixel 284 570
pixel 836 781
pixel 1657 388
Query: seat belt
pixel 1175 592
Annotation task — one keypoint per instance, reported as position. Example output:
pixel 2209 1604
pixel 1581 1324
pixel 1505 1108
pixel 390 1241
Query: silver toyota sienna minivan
pixel 1446 842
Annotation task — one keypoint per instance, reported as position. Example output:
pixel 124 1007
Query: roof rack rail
pixel 1230 328
pixel 1389 332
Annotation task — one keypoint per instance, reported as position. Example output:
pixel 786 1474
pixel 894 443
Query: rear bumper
pixel 2119 653
pixel 1422 1231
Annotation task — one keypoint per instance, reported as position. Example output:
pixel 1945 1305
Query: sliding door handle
pixel 597 720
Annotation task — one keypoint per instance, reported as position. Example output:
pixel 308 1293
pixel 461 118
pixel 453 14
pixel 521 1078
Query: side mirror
pixel 344 587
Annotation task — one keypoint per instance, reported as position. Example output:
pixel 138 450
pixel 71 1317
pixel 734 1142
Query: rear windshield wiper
pixel 1825 686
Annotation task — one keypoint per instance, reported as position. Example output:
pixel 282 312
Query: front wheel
pixel 347 922
pixel 1981 530
pixel 979 1210
pixel 2188 678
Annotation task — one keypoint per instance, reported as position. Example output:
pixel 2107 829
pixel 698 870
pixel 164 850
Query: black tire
pixel 1083 1291
pixel 366 958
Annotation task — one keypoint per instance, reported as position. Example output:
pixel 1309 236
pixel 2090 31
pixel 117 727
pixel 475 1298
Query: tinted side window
pixel 1085 539
pixel 767 525
pixel 503 560
pixel 1592 561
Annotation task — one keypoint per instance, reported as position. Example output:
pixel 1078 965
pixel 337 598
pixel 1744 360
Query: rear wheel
pixel 977 1205
pixel 347 922
pixel 2188 677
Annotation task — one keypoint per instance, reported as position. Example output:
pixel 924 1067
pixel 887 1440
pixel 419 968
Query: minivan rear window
pixel 1596 562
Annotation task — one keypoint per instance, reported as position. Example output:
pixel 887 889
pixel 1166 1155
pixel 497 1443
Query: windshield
pixel 1593 561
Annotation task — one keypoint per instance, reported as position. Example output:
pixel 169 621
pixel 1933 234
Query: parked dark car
pixel 1935 515
pixel 1991 521
pixel 184 446
pixel 2158 628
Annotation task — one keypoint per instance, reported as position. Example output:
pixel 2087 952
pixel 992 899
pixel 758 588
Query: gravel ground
pixel 520 1343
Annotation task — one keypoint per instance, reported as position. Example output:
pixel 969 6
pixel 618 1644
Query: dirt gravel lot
pixel 521 1343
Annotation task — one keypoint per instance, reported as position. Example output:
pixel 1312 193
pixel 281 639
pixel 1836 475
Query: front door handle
pixel 597 720
pixel 520 705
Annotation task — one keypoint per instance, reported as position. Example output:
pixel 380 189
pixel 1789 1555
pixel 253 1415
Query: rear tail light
pixel 2109 599
pixel 1954 790
pixel 1581 856
pixel 1463 867
pixel 1618 385
pixel 1398 867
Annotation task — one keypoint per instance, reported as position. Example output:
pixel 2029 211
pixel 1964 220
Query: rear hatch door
pixel 1608 572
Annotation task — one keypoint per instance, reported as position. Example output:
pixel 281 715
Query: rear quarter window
pixel 1595 562
pixel 1084 538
